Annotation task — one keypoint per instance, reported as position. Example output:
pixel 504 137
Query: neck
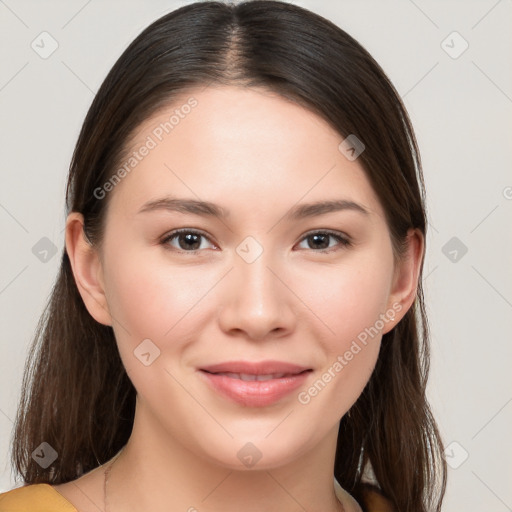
pixel 154 471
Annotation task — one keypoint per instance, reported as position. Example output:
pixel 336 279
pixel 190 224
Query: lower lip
pixel 255 393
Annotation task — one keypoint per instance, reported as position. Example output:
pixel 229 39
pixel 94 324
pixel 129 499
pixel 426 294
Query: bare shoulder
pixel 84 493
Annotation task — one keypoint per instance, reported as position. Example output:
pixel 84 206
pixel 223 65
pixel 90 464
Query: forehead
pixel 234 145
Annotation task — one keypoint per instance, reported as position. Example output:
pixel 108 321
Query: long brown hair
pixel 76 394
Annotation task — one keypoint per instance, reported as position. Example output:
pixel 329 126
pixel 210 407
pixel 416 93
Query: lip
pixel 255 393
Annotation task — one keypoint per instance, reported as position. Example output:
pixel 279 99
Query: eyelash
pixel 343 240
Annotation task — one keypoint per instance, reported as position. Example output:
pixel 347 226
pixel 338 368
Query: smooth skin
pixel 256 155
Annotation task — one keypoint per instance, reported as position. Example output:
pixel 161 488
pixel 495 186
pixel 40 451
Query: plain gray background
pixel 460 103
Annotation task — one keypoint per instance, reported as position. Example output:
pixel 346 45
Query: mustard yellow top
pixel 35 498
pixel 44 498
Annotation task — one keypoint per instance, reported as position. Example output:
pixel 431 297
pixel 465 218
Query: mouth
pixel 254 384
pixel 269 367
pixel 249 377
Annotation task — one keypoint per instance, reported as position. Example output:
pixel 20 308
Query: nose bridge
pixel 258 303
pixel 257 285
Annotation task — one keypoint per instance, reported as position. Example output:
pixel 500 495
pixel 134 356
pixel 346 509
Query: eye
pixel 188 240
pixel 320 240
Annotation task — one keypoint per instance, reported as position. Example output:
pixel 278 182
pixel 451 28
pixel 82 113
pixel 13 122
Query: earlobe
pixel 87 269
pixel 405 279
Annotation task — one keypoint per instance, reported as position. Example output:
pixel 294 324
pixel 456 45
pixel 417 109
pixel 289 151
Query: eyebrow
pixel 208 209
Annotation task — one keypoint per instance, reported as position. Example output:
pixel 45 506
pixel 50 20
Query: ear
pixel 87 269
pixel 405 278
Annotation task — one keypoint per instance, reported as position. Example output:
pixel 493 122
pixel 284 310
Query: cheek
pixel 349 302
pixel 154 300
pixel 348 298
pixel 161 303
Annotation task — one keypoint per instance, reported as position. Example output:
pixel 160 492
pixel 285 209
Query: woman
pixel 238 316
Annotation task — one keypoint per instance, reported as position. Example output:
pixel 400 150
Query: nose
pixel 257 302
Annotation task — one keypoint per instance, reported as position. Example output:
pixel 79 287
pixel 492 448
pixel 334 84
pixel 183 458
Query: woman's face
pixel 266 279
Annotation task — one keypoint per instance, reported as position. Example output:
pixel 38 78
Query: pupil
pixel 325 237
pixel 191 237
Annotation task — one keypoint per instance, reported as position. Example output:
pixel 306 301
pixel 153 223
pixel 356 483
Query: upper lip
pixel 255 368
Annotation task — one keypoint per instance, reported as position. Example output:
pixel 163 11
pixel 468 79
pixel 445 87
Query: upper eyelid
pixel 175 232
